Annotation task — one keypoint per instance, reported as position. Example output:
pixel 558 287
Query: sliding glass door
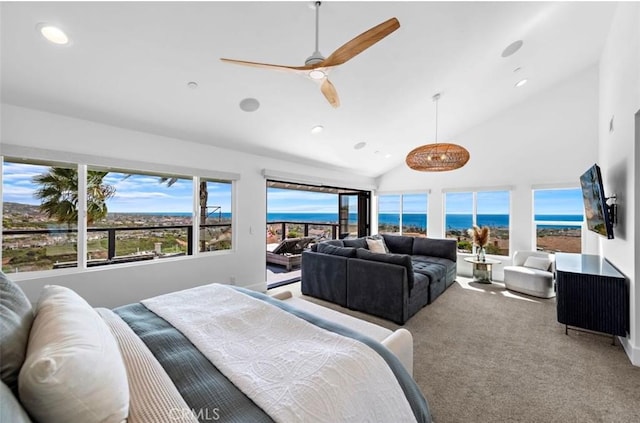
pixel 354 216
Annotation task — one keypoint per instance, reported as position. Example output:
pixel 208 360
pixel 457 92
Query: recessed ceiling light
pixel 193 85
pixel 317 129
pixel 360 145
pixel 520 83
pixel 249 104
pixel 387 156
pixel 512 48
pixel 518 69
pixel 53 33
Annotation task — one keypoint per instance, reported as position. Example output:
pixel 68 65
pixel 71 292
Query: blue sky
pixel 133 194
pixel 411 203
pixel 145 193
pixel 291 201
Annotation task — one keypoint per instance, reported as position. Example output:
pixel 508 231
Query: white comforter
pixel 292 369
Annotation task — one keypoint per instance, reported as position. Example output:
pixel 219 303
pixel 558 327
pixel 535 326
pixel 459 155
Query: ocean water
pixel 453 221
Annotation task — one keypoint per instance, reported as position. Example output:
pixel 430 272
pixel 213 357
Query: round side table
pixel 482 269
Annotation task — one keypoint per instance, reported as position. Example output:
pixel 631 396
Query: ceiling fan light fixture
pixel 437 157
pixel 317 74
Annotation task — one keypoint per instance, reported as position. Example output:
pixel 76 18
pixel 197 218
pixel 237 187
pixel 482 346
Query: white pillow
pixel 376 245
pixel 73 371
pixel 540 263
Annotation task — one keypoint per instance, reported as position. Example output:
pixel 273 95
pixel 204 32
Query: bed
pixel 211 353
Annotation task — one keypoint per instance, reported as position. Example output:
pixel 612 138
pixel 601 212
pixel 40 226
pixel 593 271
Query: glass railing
pixel 280 229
pixel 25 250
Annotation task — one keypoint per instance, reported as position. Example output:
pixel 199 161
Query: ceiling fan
pixel 316 66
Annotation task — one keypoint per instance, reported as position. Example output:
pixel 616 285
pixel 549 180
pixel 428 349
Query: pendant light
pixel 437 157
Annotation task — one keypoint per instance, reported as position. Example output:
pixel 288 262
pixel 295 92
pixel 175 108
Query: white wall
pixel 618 155
pixel 117 285
pixel 546 141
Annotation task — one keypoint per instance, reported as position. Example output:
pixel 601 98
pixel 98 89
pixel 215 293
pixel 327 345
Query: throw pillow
pixel 16 317
pixel 336 251
pixel 74 371
pixel 378 237
pixel 376 246
pixel 540 263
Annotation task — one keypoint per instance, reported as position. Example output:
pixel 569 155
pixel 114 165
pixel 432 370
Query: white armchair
pixel 532 273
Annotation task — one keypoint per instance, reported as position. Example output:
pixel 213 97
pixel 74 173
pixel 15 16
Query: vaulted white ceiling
pixel 129 64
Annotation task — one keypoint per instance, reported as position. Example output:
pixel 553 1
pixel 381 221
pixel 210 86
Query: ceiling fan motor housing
pixel 315 58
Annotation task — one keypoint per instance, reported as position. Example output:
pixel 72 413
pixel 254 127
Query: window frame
pixel 19 154
pixel 401 195
pixel 474 214
pixel 534 222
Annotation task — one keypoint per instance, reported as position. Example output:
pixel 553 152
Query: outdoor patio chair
pixel 288 252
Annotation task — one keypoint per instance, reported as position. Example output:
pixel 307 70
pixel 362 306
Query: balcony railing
pixel 111 251
pixel 281 229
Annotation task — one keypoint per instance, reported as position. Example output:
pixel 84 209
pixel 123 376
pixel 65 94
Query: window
pixel 389 214
pixel 483 208
pixel 145 216
pixel 403 214
pixel 492 210
pixel 215 215
pixel 131 215
pixel 558 219
pixel 39 217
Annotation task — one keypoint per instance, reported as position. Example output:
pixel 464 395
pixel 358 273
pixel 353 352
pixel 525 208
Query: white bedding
pixel 153 396
pixel 292 369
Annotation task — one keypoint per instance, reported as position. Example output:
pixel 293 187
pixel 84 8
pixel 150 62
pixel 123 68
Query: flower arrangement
pixel 480 237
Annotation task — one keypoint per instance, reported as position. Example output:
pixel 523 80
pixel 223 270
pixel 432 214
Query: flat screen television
pixel 597 212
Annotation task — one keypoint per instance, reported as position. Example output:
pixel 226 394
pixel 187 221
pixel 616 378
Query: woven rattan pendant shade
pixel 437 157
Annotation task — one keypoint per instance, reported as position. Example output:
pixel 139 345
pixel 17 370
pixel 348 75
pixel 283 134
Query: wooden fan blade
pixel 361 43
pixel 268 66
pixel 330 92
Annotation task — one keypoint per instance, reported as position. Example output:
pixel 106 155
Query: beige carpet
pixel 484 354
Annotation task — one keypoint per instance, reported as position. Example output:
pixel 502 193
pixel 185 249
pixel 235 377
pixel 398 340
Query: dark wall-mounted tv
pixel 597 212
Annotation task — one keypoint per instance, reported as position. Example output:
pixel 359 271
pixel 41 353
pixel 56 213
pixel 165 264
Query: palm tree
pixel 58 193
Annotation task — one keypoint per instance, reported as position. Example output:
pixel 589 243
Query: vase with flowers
pixel 480 237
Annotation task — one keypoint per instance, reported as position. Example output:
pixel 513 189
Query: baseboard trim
pixel 633 352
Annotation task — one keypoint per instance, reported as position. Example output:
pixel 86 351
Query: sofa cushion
pixel 435 271
pixel 16 317
pixel 429 259
pixel 355 243
pixel 444 248
pixel 335 242
pixel 398 259
pixel 399 244
pixel 336 251
pixel 420 294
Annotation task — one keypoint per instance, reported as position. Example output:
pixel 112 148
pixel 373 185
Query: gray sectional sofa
pixel 393 286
